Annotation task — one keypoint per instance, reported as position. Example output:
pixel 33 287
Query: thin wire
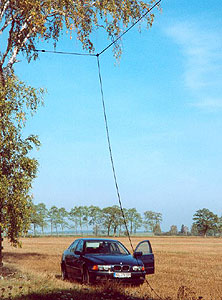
pixel 62 52
pixel 110 151
pixel 128 29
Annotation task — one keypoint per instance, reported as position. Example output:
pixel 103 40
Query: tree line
pixel 109 221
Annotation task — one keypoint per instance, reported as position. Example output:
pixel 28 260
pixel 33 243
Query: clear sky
pixel 164 107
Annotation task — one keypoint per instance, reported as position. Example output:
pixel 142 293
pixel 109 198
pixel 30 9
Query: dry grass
pixel 184 265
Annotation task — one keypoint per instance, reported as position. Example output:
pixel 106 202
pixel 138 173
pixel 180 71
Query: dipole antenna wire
pixel 110 151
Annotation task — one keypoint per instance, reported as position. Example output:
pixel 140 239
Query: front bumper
pixel 131 277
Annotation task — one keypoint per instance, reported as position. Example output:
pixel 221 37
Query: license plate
pixel 122 275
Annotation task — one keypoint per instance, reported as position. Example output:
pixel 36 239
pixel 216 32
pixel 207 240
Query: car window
pixel 80 246
pixel 105 247
pixel 144 247
pixel 73 245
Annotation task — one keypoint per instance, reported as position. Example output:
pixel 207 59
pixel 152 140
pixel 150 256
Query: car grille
pixel 119 268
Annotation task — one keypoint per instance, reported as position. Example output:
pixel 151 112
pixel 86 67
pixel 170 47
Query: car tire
pixel 64 272
pixel 86 278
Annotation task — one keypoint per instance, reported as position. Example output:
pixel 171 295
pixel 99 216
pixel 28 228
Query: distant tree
pixel 118 219
pixel 194 230
pixel 96 218
pixel 34 218
pixel 42 213
pixel 62 218
pixel 54 218
pixel 157 229
pixel 74 217
pixel 124 221
pixel 134 218
pixel 173 230
pixel 78 213
pixel 108 217
pixel 151 219
pixel 86 217
pixel 184 230
pixel 205 221
pixel 38 217
pixel 219 226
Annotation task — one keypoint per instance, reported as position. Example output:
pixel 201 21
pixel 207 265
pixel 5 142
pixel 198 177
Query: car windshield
pixel 105 247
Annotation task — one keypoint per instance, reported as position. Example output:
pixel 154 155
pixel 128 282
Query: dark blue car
pixel 91 260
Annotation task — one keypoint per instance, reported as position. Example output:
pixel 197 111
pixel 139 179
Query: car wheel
pixel 86 278
pixel 64 272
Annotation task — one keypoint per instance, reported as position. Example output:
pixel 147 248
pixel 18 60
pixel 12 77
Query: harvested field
pixel 189 265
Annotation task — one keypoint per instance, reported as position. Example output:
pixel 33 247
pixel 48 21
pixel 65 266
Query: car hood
pixel 113 259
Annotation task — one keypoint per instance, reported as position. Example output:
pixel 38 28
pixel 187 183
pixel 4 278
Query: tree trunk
pixel 114 231
pixel 2 79
pixel 131 227
pixel 1 248
pixel 51 227
pixel 87 228
pixel 2 83
pixel 1 238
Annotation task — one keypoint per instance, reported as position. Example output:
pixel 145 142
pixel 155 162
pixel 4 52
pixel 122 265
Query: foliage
pixel 134 218
pixel 184 230
pixel 42 211
pixel 17 169
pixel 78 215
pixel 38 217
pixel 219 226
pixel 157 229
pixel 95 215
pixel 28 21
pixel 173 230
pixel 205 220
pixel 108 220
pixel 151 219
pixel 57 217
pixel 194 230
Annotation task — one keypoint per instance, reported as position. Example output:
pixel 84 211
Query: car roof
pixel 97 239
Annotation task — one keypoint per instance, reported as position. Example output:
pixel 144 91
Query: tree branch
pixel 20 43
pixel 7 22
pixel 4 9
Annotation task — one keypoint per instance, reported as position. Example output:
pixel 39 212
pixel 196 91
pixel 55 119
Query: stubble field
pixel 187 268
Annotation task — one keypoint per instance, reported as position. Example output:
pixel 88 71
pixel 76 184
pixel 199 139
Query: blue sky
pixel 164 107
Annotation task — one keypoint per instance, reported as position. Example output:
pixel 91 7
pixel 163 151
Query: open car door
pixel 147 256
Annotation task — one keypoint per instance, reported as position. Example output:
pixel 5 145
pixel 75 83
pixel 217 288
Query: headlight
pixel 138 268
pixel 104 267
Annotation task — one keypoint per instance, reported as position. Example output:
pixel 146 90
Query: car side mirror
pixel 78 252
pixel 137 254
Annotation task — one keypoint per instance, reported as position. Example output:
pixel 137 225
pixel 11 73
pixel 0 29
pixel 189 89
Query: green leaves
pixel 152 219
pixel 28 21
pixel 17 169
pixel 205 220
